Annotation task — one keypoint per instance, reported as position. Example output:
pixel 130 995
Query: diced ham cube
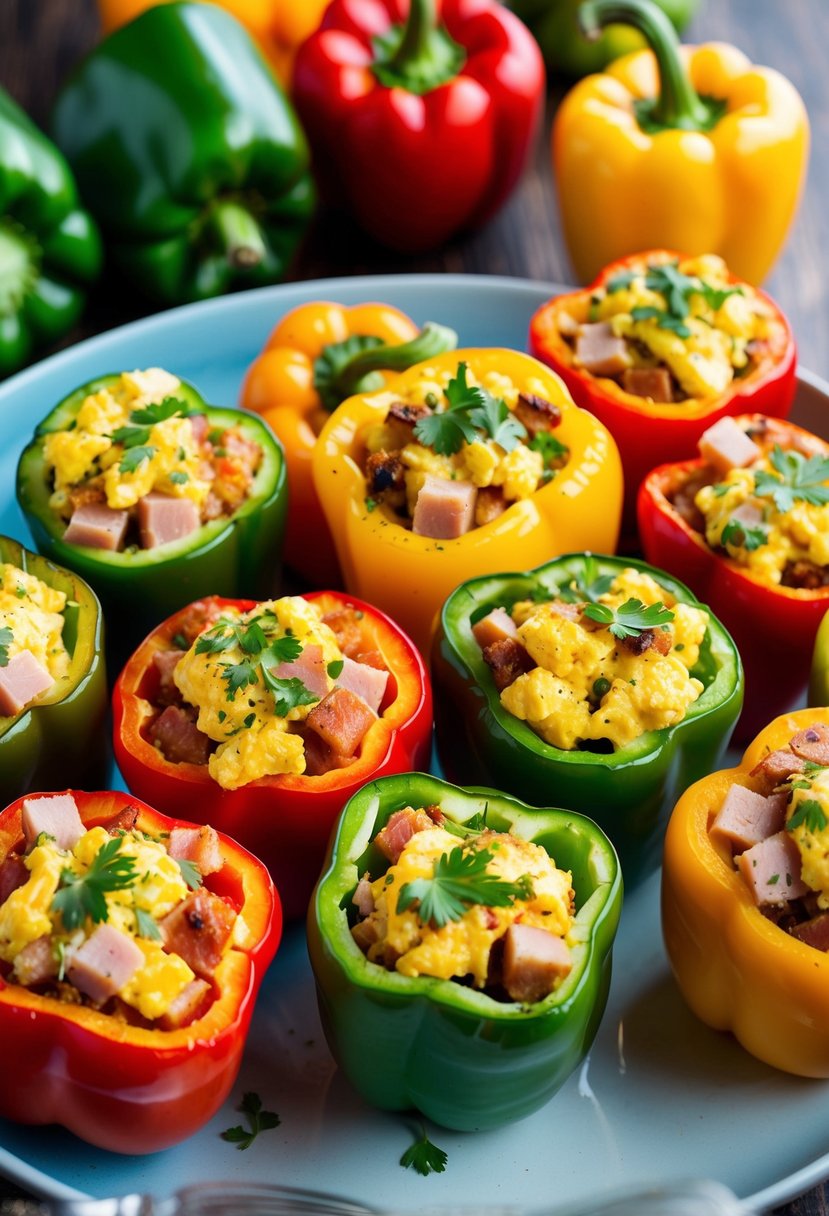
pixel 746 818
pixel 36 963
pixel 104 963
pixel 568 326
pixel 775 768
pixel 22 681
pixel 364 681
pixel 184 1008
pixel 600 352
pixel 507 659
pixel 772 870
pixel 162 518
pixel 444 509
pixel 309 668
pixel 748 515
pixel 400 828
pixel 175 734
pixel 199 426
pixel 726 446
pixel 165 663
pixel 319 757
pixel 652 382
pixel 124 821
pixel 57 816
pixel 341 720
pixel 347 628
pixel 199 845
pixel 537 414
pixel 13 874
pixel 97 527
pixel 362 898
pixel 812 744
pixel 534 960
pixel 198 930
pixel 494 627
pixel 814 932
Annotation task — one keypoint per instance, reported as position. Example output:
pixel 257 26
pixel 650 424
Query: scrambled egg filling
pixel 33 613
pixel 811 833
pixel 589 686
pixel 462 947
pixel 237 708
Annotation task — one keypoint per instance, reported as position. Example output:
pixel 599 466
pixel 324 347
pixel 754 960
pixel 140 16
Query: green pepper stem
pixel 239 235
pixel 432 340
pixel 677 104
pixel 419 55
pixel 417 35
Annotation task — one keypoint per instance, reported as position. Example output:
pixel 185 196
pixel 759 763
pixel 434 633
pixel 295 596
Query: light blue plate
pixel 660 1097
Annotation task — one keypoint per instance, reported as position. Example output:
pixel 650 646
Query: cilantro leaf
pixel 190 872
pixel 424 1156
pixel 552 450
pixel 6 639
pixel 740 537
pixel 447 430
pixel 664 319
pixel 259 1120
pixel 133 458
pixel 809 814
pixel 796 480
pixel 146 925
pixel 179 478
pixel 283 650
pixel 217 639
pixel 335 668
pixel 621 281
pixel 495 418
pixel 130 436
pixel 159 411
pixel 472 827
pixel 460 880
pixel 82 896
pixel 288 694
pixel 592 585
pixel 238 676
pixel 251 638
pixel 631 618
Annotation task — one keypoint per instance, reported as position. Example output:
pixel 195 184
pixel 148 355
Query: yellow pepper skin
pixel 410 576
pixel 736 969
pixel 727 141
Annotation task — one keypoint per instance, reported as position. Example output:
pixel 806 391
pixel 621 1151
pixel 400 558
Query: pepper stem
pixel 349 367
pixel 419 55
pixel 677 104
pixel 239 235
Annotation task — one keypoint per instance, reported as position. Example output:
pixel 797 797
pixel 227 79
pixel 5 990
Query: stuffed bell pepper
pixel 53 695
pixel 603 682
pixel 468 463
pixel 659 348
pixel 154 496
pixel 461 944
pixel 263 719
pixel 132 947
pixel 747 525
pixel 318 355
pixel 745 893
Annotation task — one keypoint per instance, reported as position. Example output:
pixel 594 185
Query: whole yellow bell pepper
pixel 277 26
pixel 409 576
pixel 677 147
pixel 737 970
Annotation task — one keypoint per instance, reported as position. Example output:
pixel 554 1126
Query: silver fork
pixel 687 1198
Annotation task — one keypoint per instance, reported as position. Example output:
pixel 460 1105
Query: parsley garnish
pixel 143 420
pixel 740 537
pixel 459 881
pixel 796 480
pixel 146 925
pixel 424 1156
pixel 496 418
pixel 283 650
pixel 592 584
pixel 469 409
pixel 82 896
pixel 179 640
pixel 134 457
pixel 288 694
pixel 335 668
pixel 631 619
pixel 809 814
pixel 472 827
pixel 664 319
pixel 371 504
pixel 238 675
pixel 179 479
pixel 190 872
pixel 676 288
pixel 552 450
pixel 6 639
pixel 259 1120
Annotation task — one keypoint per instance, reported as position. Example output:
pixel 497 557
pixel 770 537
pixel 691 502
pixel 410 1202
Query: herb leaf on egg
pixel 134 457
pixel 82 896
pixel 446 431
pixel 631 618
pixel 739 536
pixel 6 639
pixel 797 479
pixel 239 676
pixel 146 925
pixel 809 814
pixel 289 693
pixel 495 418
pixel 190 872
pixel 590 588
pixel 460 880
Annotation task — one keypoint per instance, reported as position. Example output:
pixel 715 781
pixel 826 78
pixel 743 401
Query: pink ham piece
pixel 199 426
pixel 97 527
pixel 746 818
pixel 165 662
pixel 362 898
pixel 184 1008
pixel 747 515
pixel 364 681
pixel 775 768
pixel 727 447
pixel 600 352
pixel 771 870
pixel 199 845
pixel 494 627
pixel 652 382
pixel 444 509
pixel 36 963
pixel 162 519
pixel 22 680
pixel 176 735
pixel 534 960
pixel 309 667
pixel 401 827
pixel 341 720
pixel 104 963
pixel 57 816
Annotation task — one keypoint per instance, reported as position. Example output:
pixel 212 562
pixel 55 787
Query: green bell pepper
pixel 462 1058
pixel 61 738
pixel 49 248
pixel 819 673
pixel 565 49
pixel 630 792
pixel 235 556
pixel 188 154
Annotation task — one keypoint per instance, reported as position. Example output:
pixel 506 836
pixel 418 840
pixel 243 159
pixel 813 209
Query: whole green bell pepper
pixel 462 1058
pixel 50 251
pixel 630 792
pixel 188 153
pixel 232 556
pixel 61 738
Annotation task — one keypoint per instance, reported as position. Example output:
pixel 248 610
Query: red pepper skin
pixel 415 169
pixel 774 627
pixel 286 820
pixel 125 1088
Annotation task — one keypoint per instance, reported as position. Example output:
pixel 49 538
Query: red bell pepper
pixel 424 128
pixel 649 433
pixel 127 1088
pixel 774 626
pixel 284 820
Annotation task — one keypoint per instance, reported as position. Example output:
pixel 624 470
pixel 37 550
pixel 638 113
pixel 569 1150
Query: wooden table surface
pixel 41 39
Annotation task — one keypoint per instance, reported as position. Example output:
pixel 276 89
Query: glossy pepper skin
pixel 286 820
pixel 819 674
pixel 62 733
pixel 49 246
pixel 410 576
pixel 674 147
pixel 188 154
pixel 125 1088
pixel 316 356
pixel 421 115
pixel 460 1057
pixel 629 792
pixel 737 970
pixel 230 556
pixel 774 626
pixel 648 432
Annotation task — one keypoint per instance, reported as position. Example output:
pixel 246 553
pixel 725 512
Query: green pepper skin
pixel 230 557
pixel 631 792
pixel 50 250
pixel 62 737
pixel 460 1057
pixel 188 153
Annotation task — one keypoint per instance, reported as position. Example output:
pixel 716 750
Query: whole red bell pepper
pixel 127 1088
pixel 420 115
pixel 284 820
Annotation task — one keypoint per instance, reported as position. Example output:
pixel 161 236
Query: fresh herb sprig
pixel 631 619
pixel 741 537
pixel 796 479
pixel 424 1156
pixel 676 288
pixel 6 639
pixel 809 814
pixel 469 409
pixel 82 896
pixel 589 588
pixel 460 880
pixel 259 1120
pixel 135 436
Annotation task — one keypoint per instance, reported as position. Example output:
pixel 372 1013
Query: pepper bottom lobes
pixel 460 1057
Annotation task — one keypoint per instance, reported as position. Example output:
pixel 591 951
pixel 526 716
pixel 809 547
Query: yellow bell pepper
pixel 409 576
pixel 677 147
pixel 277 26
pixel 737 970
